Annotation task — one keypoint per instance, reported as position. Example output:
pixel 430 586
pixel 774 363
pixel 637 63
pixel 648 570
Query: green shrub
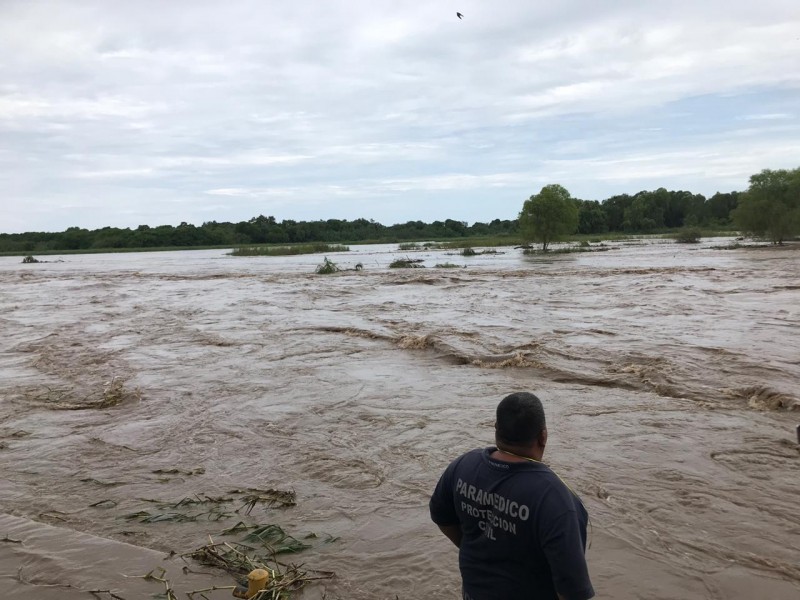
pixel 327 267
pixel 468 252
pixel 29 259
pixel 689 235
pixel 406 263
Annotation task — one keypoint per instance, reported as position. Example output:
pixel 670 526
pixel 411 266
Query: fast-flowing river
pixel 670 375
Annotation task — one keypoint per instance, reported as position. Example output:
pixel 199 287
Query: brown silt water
pixel 130 382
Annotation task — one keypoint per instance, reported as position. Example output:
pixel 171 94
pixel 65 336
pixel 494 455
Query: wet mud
pixel 131 382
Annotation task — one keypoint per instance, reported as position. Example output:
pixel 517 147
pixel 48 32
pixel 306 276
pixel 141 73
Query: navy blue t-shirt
pixel 523 530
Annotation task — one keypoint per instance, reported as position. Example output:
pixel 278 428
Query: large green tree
pixel 548 215
pixel 771 205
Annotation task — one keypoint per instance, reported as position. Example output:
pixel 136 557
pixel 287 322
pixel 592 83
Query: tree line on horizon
pixel 644 212
pixel 770 208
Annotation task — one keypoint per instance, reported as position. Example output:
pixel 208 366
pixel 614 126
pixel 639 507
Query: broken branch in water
pixel 10 540
pixel 107 503
pixel 169 594
pixel 112 595
pixel 52 514
pixel 211 589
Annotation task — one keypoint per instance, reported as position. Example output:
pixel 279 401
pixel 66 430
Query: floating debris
pixel 101 483
pixel 257 549
pixel 276 540
pixel 239 560
pixel 406 263
pixel 10 540
pixel 327 267
pixel 113 393
pixel 270 498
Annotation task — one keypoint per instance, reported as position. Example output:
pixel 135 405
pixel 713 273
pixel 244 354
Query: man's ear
pixel 543 438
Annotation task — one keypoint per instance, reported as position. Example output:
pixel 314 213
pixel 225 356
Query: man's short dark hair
pixel 520 419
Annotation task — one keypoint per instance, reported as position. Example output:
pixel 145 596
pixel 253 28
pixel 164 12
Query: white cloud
pixel 766 117
pixel 320 103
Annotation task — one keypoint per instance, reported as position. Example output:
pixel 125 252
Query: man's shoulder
pixel 558 497
pixel 470 457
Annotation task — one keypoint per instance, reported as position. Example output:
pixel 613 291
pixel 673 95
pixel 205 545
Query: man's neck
pixel 510 453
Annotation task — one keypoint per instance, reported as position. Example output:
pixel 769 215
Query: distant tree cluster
pixel 650 211
pixel 770 207
pixel 553 213
pixel 258 230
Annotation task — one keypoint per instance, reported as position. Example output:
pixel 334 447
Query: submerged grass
pixel 113 393
pixel 689 235
pixel 328 267
pixel 268 498
pixel 275 539
pixel 406 263
pixel 565 250
pixel 288 250
pixel 472 252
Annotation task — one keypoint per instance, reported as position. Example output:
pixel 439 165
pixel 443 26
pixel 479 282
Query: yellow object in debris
pixel 257 581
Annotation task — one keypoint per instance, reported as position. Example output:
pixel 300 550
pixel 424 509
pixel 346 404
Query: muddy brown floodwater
pixel 669 374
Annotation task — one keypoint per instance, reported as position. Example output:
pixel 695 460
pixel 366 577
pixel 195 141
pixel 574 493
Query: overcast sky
pixel 124 113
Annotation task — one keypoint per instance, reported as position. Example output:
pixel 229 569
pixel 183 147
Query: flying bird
pixel 459 15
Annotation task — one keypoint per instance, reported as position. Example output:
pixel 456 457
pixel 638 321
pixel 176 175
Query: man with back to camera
pixel 521 532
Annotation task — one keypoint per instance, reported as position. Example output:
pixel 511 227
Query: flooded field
pixel 128 382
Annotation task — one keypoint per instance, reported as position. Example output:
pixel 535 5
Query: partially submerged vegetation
pixel 582 247
pixel 113 393
pixel 258 547
pixel 410 246
pixel 468 251
pixel 406 263
pixel 689 235
pixel 449 266
pixel 755 245
pixel 316 248
pixel 239 559
pixel 329 267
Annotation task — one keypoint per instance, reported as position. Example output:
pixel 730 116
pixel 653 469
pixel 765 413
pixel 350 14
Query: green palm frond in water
pixel 275 539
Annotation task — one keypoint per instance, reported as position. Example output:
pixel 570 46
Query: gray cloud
pixel 161 112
